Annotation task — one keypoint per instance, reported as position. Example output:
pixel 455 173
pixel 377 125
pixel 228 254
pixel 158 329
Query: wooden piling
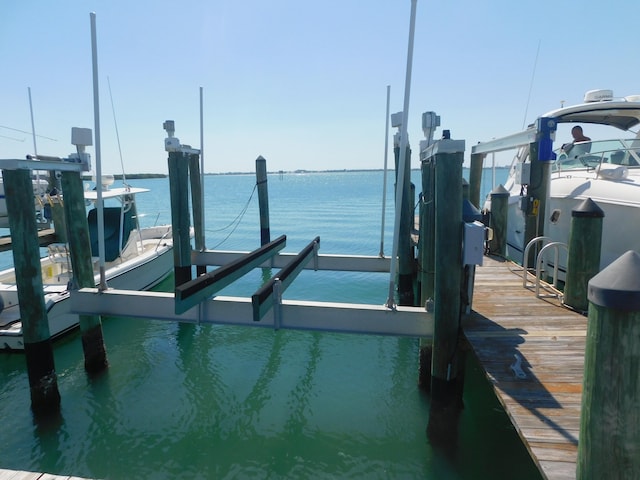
pixel 475 178
pixel 195 179
pixel 499 218
pixel 58 218
pixel 43 383
pixel 406 259
pixel 426 257
pixel 609 444
pixel 95 356
pixel 448 273
pixel 179 189
pixel 537 192
pixel 585 240
pixel 263 199
pixel 447 363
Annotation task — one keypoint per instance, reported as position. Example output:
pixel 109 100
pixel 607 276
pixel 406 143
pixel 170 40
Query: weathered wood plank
pixel 511 331
pixel 24 475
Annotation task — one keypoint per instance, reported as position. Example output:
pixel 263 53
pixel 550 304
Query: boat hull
pixel 142 272
pixel 619 200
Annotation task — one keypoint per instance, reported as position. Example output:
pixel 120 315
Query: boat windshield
pixel 592 154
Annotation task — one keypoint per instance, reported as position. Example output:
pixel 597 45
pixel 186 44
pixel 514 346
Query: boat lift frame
pixel 270 310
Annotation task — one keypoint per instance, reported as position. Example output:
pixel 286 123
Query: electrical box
pixel 523 173
pixel 473 243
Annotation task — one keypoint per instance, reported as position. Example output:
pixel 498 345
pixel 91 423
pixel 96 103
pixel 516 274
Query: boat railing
pixel 548 246
pixel 592 156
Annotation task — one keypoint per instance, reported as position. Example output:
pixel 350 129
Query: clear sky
pixel 302 83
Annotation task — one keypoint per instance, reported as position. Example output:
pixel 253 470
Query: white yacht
pixel 605 170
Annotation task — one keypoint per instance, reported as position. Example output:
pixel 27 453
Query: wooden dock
pixel 23 475
pixel 532 351
pixel 45 237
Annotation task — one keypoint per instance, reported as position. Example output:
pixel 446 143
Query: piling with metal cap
pixel 43 381
pixel 585 240
pixel 609 445
pixel 499 216
pixel 95 356
pixel 263 200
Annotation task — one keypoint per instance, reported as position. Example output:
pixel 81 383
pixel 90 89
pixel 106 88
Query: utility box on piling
pixel 473 243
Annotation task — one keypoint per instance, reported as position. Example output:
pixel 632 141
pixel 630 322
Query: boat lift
pixel 193 300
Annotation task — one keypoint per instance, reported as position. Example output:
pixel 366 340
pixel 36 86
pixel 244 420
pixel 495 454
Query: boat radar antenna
pixel 172 143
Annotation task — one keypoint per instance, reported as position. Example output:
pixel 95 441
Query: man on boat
pixel 578 138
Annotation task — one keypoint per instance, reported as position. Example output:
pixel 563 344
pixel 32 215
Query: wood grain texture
pixel 511 331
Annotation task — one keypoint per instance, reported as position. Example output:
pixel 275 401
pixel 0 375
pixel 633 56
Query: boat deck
pixel 532 351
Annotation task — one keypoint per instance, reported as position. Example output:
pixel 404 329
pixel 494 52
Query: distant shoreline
pixel 138 176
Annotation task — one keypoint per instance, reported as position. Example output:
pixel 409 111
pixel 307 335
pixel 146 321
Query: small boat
pixel 607 171
pixel 135 259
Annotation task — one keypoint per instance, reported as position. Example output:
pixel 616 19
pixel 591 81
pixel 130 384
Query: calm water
pixel 189 401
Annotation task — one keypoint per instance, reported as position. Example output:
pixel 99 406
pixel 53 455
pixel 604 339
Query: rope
pixel 236 221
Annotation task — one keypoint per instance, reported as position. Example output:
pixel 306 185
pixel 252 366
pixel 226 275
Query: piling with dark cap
pixel 499 216
pixel 263 200
pixel 178 164
pixel 609 445
pixel 585 240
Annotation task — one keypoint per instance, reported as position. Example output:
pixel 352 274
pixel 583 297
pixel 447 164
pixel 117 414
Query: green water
pixel 195 401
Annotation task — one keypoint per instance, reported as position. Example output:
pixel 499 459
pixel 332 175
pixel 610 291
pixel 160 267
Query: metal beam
pixel 506 143
pixel 194 291
pixel 338 263
pixel 298 315
pixel 48 163
pixel 264 299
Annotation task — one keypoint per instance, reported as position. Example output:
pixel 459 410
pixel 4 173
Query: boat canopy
pixel 620 114
pixel 114 192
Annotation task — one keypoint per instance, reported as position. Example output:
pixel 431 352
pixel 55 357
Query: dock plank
pixel 45 237
pixel 24 475
pixel 510 327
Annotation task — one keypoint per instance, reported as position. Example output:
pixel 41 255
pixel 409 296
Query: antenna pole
pixel 96 120
pixel 202 162
pixel 384 182
pixel 403 157
pixel 33 135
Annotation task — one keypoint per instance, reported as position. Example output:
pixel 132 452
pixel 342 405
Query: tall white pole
pixel 96 121
pixel 384 182
pixel 33 126
pixel 33 135
pixel 202 162
pixel 403 157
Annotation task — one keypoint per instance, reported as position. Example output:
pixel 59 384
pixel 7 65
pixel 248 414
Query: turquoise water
pixel 190 401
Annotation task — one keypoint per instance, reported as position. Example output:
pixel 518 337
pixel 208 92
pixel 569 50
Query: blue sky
pixel 301 83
